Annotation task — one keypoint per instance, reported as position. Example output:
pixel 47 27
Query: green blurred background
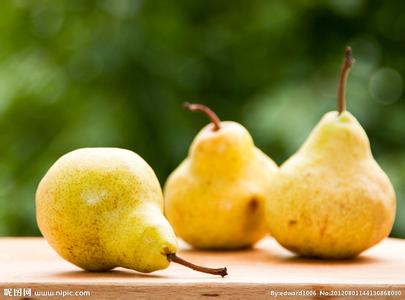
pixel 115 72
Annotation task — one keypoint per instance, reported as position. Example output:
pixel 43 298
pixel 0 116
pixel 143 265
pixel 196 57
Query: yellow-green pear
pixel 331 199
pixel 215 199
pixel 101 208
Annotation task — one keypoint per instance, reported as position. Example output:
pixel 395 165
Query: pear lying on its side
pixel 215 199
pixel 331 199
pixel 101 208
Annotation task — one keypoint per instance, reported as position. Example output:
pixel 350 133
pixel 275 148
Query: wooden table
pixel 253 274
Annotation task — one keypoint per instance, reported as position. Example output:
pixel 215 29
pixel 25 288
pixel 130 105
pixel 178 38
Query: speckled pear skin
pixel 215 199
pixel 100 208
pixel 331 199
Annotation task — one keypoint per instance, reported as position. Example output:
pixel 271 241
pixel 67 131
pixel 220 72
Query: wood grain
pixel 253 274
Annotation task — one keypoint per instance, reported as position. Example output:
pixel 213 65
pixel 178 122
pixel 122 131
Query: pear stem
pixel 205 109
pixel 348 61
pixel 174 258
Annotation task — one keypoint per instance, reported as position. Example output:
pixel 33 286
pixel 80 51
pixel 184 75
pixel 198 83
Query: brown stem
pixel 344 73
pixel 205 109
pixel 174 258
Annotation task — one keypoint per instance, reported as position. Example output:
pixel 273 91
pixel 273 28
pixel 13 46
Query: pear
pixel 215 199
pixel 331 199
pixel 101 208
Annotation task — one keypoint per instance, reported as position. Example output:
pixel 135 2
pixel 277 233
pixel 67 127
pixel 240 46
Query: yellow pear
pixel 331 199
pixel 215 199
pixel 101 208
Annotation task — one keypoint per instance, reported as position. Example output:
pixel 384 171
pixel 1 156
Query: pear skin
pixel 216 198
pixel 331 199
pixel 101 208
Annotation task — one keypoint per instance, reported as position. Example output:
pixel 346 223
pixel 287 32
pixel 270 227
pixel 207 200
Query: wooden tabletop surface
pixel 255 273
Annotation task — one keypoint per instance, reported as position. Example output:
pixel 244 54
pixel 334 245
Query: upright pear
pixel 101 208
pixel 331 199
pixel 215 199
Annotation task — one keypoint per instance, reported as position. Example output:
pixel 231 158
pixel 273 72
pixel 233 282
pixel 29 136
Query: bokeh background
pixel 115 72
